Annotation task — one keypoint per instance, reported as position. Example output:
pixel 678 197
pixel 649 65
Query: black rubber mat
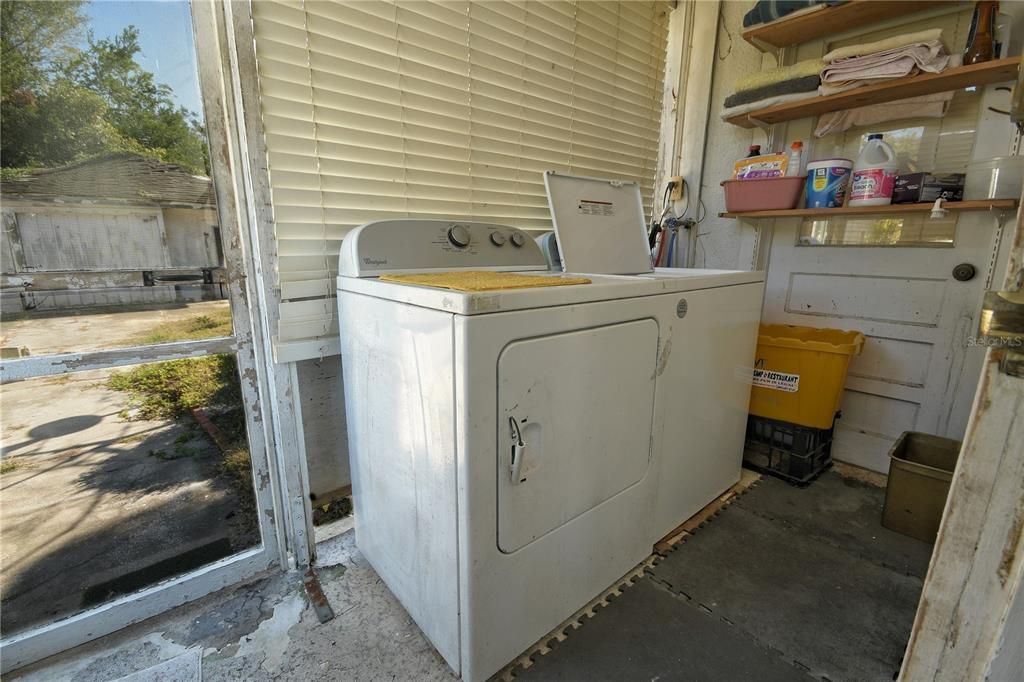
pixel 648 633
pixel 843 512
pixel 841 614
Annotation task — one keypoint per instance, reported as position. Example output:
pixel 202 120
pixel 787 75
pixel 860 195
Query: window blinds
pixel 377 110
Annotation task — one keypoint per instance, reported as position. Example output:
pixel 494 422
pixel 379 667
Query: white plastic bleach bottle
pixel 874 174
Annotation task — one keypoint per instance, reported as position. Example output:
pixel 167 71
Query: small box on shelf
pixel 927 187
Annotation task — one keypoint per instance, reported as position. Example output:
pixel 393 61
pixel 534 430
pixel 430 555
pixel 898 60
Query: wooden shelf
pixel 891 209
pixel 995 71
pixel 807 25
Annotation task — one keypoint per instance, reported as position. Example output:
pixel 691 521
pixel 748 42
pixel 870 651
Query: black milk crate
pixel 797 454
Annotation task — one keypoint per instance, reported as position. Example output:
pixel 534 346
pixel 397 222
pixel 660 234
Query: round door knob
pixel 518 239
pixel 497 238
pixel 459 236
pixel 964 272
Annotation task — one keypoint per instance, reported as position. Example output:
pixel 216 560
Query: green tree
pixel 139 108
pixel 67 123
pixel 60 103
pixel 35 38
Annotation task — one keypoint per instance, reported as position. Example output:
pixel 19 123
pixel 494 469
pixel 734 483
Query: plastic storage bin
pixel 920 468
pixel 799 373
pixel 796 454
pixel 764 194
pixel 1000 177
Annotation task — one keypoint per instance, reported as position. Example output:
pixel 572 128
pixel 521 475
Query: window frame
pixel 266 388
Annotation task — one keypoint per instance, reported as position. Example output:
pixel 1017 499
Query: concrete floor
pixel 267 631
pixel 63 331
pixel 734 624
pixel 784 584
pixel 98 505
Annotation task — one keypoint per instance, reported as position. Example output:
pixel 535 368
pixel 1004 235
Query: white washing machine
pixel 503 464
pixel 600 228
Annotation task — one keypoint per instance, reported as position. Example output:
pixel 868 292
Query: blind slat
pixel 376 110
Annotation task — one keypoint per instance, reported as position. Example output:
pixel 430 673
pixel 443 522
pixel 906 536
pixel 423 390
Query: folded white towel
pixel 901 40
pixel 895 63
pixel 925 106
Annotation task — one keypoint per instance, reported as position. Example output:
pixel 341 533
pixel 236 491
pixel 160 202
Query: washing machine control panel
pixel 415 245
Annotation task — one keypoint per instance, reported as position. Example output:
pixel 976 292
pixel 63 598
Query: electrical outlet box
pixel 677 188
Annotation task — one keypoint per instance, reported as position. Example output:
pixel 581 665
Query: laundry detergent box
pixel 827 182
pixel 927 187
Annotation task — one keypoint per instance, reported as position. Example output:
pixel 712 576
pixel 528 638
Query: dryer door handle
pixel 518 452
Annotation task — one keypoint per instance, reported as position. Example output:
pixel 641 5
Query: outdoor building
pixel 116 229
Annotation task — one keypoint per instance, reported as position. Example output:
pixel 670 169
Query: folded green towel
pixel 805 84
pixel 808 67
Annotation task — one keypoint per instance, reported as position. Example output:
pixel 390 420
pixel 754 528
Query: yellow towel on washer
pixel 483 280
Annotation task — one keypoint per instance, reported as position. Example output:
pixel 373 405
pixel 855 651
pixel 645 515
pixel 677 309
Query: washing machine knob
pixel 518 239
pixel 459 236
pixel 497 238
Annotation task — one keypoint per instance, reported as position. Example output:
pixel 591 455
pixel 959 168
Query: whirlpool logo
pixel 375 261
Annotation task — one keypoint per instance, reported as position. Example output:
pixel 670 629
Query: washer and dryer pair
pixel 516 451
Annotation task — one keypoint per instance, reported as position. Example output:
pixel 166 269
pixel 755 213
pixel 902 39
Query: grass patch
pixel 168 390
pixel 237 465
pixel 11 464
pixel 206 326
pixel 171 390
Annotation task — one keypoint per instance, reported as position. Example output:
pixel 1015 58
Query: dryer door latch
pixel 518 451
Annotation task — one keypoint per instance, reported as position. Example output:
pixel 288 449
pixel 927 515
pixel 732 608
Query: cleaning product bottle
pixel 796 159
pixel 874 174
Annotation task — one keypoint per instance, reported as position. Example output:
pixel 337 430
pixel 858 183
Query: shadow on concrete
pixel 65 426
pixel 104 508
pixel 112 559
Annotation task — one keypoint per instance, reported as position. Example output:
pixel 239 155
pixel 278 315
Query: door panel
pixel 917 320
pixel 569 437
pixel 865 297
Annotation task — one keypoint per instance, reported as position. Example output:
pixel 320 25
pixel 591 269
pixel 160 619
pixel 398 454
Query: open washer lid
pixel 599 225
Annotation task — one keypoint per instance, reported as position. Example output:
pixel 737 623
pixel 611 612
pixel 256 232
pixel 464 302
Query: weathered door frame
pixel 963 621
pixel 267 389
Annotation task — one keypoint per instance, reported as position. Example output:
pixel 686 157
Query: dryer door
pixel 575 415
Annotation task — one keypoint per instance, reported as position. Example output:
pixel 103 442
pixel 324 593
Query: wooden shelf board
pixel 995 71
pixel 807 25
pixel 852 211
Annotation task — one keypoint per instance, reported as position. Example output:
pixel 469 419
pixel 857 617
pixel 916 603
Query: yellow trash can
pixel 799 373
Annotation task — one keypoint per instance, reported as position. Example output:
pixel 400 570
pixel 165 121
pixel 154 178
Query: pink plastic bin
pixel 765 194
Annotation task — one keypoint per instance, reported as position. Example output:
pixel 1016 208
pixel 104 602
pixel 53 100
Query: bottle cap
pixel 755 146
pixel 875 136
pixel 797 145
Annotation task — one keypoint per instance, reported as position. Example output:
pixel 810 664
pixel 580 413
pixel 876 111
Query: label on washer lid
pixel 594 207
pixel 777 381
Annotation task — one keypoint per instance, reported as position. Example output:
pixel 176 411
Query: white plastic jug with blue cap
pixel 874 174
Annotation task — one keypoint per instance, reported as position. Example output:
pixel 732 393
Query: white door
pixel 575 414
pixel 892 279
pixel 917 370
